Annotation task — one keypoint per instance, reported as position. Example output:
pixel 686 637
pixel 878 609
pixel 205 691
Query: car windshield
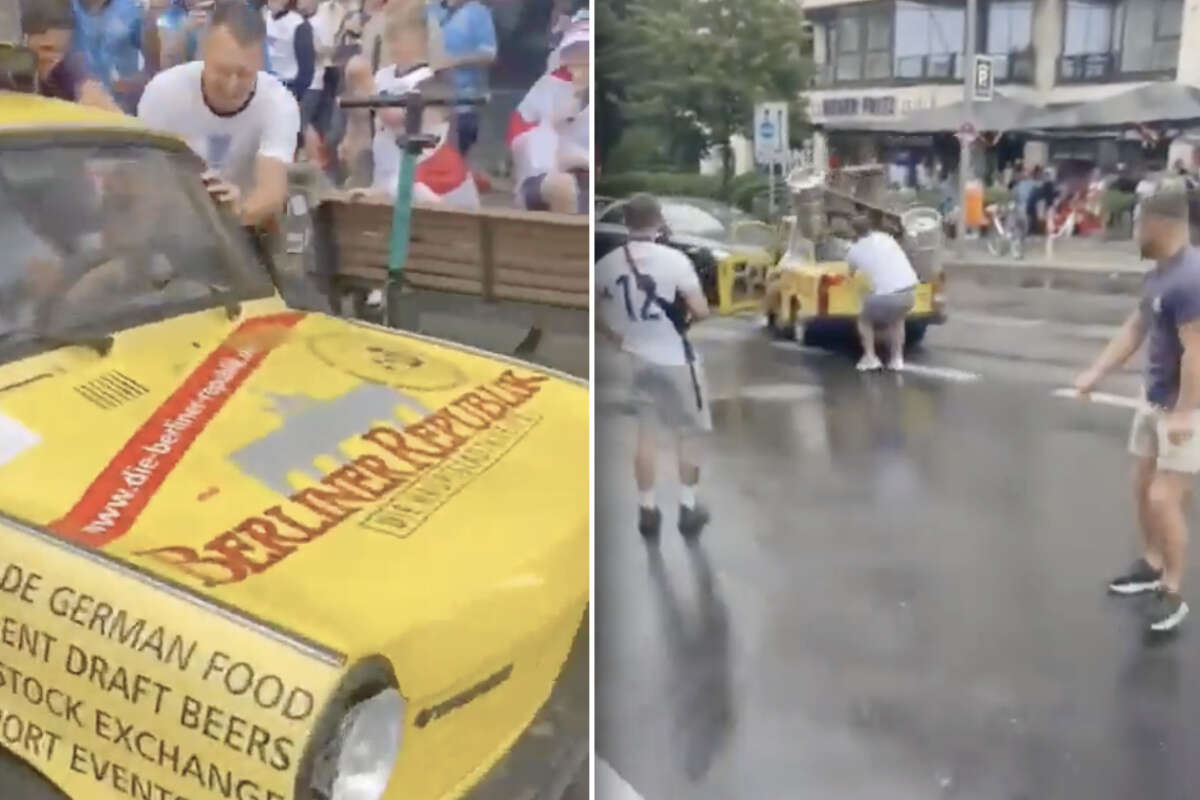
pixel 710 219
pixel 101 238
pixel 688 219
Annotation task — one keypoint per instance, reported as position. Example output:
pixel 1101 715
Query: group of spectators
pixel 253 86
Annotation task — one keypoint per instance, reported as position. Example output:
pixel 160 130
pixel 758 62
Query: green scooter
pixel 412 143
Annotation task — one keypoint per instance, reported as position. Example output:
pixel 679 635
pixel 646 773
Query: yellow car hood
pixel 337 480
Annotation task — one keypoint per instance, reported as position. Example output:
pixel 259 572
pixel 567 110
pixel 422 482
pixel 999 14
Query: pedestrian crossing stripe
pixel 944 373
pixel 1103 398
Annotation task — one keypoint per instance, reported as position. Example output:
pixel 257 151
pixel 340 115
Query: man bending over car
pixel 893 283
pixel 243 122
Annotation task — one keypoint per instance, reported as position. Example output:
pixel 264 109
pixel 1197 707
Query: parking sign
pixel 770 133
pixel 985 79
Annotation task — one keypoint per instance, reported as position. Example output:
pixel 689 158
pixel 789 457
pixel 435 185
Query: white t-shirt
pixel 884 262
pixel 268 126
pixel 325 24
pixel 281 43
pixel 626 309
pixel 548 120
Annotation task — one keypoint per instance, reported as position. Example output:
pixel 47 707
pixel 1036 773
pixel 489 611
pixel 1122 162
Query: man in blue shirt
pixel 109 35
pixel 469 40
pixel 1163 440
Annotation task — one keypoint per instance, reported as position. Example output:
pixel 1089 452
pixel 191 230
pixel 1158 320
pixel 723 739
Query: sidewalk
pixel 1078 264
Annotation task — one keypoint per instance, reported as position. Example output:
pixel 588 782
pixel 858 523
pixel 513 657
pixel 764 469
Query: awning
pixel 1000 114
pixel 1161 102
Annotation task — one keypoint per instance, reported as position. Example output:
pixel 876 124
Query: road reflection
pixel 698 661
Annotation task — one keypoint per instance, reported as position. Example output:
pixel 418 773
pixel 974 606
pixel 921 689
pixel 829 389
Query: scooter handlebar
pixel 412 99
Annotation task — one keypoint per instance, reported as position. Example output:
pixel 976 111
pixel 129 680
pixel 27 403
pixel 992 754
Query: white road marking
pixel 792 347
pixel 1121 401
pixel 1003 322
pixel 721 334
pixel 786 392
pixel 942 373
pixel 611 786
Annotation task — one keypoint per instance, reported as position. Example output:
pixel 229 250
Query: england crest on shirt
pixel 218 149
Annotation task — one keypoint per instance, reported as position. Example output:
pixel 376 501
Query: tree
pixel 609 95
pixel 695 68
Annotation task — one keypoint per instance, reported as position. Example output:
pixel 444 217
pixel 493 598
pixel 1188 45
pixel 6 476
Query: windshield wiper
pixel 222 294
pixel 233 308
pixel 102 344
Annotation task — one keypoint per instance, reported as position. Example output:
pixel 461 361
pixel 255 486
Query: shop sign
pixel 856 106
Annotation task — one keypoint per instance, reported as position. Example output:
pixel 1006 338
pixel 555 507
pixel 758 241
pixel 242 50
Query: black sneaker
pixel 649 522
pixel 1166 611
pixel 692 520
pixel 1141 578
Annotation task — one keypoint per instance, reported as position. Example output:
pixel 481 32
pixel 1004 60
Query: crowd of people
pixel 254 86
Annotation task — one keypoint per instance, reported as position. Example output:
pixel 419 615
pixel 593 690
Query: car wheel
pixel 794 328
pixel 21 780
pixel 914 333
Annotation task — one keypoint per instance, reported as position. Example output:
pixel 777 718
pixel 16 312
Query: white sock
pixel 648 500
pixel 687 496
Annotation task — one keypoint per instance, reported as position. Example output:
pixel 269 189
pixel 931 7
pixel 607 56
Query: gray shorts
pixel 888 309
pixel 1148 439
pixel 666 396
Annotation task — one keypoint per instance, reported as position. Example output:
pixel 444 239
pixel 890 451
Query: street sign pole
pixel 964 158
pixel 771 142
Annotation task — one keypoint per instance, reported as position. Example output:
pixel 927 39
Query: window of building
pixel 1090 26
pixel 1151 36
pixel 1010 38
pixel 860 43
pixel 1105 38
pixel 929 39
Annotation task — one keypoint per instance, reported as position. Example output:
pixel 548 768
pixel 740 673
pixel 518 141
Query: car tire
pixel 19 779
pixel 914 334
pixel 795 330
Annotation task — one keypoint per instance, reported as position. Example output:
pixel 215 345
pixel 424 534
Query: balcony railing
pixel 1014 67
pixel 935 67
pixel 1088 67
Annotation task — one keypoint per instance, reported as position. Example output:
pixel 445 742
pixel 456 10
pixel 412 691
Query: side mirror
pixel 18 68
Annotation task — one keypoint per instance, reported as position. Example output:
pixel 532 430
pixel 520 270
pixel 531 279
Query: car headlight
pixel 357 740
pixel 367 744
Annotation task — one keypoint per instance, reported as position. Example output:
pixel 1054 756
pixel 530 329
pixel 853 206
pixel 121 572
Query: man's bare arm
pixel 92 93
pixel 602 327
pixel 1123 345
pixel 269 196
pixel 697 304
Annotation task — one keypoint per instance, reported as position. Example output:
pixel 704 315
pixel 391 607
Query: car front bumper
pixel 930 318
pixel 550 759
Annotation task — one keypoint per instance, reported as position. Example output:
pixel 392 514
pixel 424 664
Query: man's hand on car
pixel 226 194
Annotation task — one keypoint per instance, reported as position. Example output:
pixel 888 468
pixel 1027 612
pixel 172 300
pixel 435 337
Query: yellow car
pixel 814 299
pixel 252 553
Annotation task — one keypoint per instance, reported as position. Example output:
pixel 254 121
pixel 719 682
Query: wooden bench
pixel 498 254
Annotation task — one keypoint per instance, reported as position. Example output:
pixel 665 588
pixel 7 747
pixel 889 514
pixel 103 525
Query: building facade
pixel 880 60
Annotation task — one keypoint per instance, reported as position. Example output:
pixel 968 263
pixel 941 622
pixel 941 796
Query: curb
pixel 1043 275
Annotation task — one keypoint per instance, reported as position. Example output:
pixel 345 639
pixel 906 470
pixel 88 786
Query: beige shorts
pixel 667 396
pixel 1148 439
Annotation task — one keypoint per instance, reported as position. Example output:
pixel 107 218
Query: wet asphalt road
pixel 901 594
